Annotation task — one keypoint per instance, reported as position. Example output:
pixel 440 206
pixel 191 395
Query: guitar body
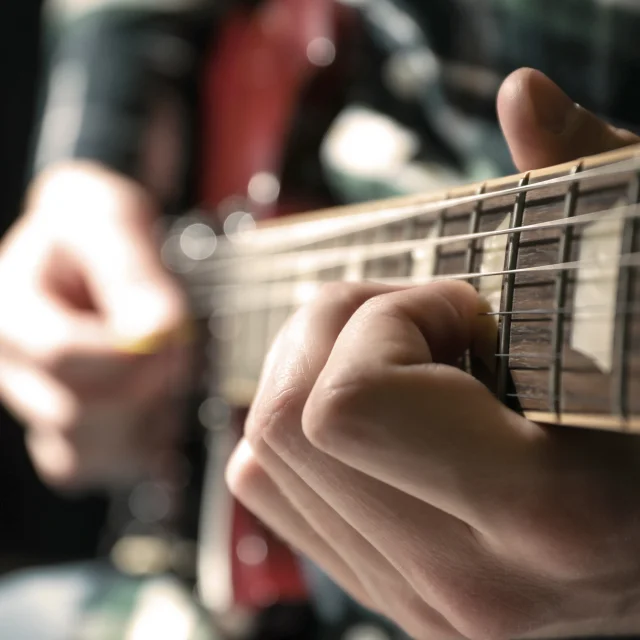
pixel 270 64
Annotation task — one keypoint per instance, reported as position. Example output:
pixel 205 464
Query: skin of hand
pixel 411 485
pixel 93 330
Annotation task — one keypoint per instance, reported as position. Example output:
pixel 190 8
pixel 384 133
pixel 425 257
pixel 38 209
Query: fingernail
pixel 555 110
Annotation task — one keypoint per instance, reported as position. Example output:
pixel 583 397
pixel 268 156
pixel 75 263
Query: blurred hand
pixel 92 328
pixel 409 482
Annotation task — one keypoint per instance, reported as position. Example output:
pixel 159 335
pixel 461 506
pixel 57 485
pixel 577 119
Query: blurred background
pixel 36 526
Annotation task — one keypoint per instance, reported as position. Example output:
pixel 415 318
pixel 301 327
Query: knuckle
pixel 342 294
pixel 335 410
pixel 343 299
pixel 272 418
pixel 283 389
pixel 245 478
pixel 385 305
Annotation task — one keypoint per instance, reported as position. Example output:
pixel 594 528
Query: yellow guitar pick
pixel 154 343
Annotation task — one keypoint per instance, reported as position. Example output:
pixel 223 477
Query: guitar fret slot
pixel 623 320
pixel 472 252
pixel 440 221
pixel 411 228
pixel 511 263
pixel 474 225
pixel 557 340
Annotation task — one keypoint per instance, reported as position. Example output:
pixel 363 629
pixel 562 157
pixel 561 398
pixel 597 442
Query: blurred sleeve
pixel 117 83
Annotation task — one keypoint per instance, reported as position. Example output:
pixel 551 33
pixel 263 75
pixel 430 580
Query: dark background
pixel 35 525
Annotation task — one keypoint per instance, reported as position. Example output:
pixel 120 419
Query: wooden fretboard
pixel 555 253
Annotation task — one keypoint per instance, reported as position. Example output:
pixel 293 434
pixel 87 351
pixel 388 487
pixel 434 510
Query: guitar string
pixel 291 234
pixel 516 356
pixel 518 361
pixel 595 312
pixel 288 264
pixel 567 394
pixel 251 294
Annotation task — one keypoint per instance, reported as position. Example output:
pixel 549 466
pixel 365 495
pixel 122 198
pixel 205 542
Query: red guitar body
pixel 269 65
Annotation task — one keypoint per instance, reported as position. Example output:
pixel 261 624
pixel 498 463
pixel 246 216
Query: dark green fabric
pixel 435 68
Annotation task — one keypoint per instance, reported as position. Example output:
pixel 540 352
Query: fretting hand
pixel 411 485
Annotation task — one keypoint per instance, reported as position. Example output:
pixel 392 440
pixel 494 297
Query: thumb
pixel 544 127
pixel 108 231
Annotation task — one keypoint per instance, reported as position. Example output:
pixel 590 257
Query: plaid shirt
pixel 442 64
pixel 447 59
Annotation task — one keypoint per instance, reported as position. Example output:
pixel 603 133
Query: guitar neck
pixel 553 252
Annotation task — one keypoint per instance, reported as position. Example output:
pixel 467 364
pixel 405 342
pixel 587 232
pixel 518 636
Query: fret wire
pixel 622 337
pixel 411 228
pixel 359 238
pixel 542 398
pixel 389 249
pixel 440 221
pixel 399 269
pixel 586 310
pixel 635 310
pixel 439 232
pixel 576 397
pixel 405 261
pixel 625 260
pixel 256 327
pixel 375 267
pixel 557 340
pixel 511 264
pixel 240 355
pixel 528 356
